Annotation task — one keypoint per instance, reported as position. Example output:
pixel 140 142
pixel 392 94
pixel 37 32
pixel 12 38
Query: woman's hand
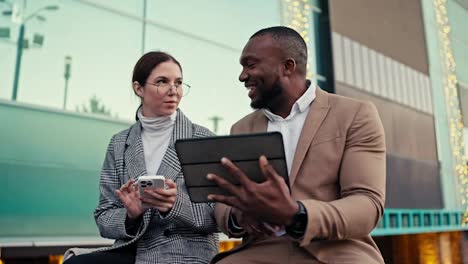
pixel 130 197
pixel 162 199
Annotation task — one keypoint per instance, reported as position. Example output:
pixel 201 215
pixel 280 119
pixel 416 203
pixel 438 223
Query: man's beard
pixel 267 98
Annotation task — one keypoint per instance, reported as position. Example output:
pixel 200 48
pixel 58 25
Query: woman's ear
pixel 289 66
pixel 138 89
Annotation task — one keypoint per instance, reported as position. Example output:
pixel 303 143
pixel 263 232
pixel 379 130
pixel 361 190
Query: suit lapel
pixel 134 155
pixel 170 165
pixel 317 113
pixel 259 122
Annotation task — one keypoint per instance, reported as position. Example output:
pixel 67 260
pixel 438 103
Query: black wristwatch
pixel 298 226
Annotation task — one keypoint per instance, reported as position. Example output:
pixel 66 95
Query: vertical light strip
pixel 337 57
pixel 424 94
pixel 429 87
pixel 428 248
pixel 416 91
pixel 397 81
pixel 401 76
pixel 365 68
pixel 383 75
pixel 411 88
pixel 374 73
pixel 357 64
pixel 419 91
pixel 396 73
pixel 406 96
pixel 445 248
pixel 390 78
pixel 452 103
pixel 349 64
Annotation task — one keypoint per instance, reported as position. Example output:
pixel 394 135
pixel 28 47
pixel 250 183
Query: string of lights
pixel 452 104
pixel 297 14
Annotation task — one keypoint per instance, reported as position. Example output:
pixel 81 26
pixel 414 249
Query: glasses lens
pixel 184 89
pixel 163 88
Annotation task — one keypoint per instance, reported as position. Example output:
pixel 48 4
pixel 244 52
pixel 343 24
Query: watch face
pixel 302 219
pixel 298 227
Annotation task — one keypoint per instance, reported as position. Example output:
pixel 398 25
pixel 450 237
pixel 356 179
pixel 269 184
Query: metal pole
pixel 67 77
pixel 19 54
pixel 143 33
pixel 216 120
pixel 65 95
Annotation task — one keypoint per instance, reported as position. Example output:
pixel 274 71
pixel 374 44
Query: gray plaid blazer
pixel 184 235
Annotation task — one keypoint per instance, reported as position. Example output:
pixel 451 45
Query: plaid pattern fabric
pixel 184 235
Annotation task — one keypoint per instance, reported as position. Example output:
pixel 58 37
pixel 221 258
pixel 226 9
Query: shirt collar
pixel 301 105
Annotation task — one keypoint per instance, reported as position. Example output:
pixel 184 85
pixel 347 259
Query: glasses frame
pixel 176 87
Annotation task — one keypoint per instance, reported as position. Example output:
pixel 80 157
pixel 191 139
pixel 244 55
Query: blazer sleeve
pixel 110 214
pixel 199 217
pixel 222 213
pixel 362 184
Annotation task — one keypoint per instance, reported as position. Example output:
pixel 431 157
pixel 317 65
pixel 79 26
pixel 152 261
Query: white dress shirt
pixel 291 126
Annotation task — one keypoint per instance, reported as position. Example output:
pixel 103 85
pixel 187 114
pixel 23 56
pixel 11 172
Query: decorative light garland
pixel 297 14
pixel 452 104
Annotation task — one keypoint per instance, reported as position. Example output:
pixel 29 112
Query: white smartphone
pixel 149 182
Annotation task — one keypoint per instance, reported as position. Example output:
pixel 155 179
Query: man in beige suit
pixel 335 152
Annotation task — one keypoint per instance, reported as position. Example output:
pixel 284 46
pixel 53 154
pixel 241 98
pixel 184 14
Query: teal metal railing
pixel 413 221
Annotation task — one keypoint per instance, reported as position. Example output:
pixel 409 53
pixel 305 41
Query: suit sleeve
pixel 110 214
pixel 362 183
pixel 223 211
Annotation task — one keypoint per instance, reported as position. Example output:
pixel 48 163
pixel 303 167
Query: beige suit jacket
pixel 338 173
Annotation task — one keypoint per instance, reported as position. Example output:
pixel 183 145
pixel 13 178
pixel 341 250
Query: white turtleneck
pixel 155 134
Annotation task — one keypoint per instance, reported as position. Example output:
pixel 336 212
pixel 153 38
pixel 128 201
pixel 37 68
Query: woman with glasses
pixel 165 227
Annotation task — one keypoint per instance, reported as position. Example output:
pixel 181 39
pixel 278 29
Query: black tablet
pixel 200 156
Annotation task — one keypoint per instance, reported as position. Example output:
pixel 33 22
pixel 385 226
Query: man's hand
pixel 268 201
pixel 251 225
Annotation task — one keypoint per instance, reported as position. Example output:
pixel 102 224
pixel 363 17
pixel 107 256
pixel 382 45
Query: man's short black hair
pixel 290 41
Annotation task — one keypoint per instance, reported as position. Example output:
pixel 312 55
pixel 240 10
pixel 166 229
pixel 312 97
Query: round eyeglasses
pixel 182 89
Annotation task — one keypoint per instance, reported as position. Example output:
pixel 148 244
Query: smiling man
pixel 335 153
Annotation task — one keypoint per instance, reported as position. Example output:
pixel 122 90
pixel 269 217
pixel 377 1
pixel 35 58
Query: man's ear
pixel 289 66
pixel 138 89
